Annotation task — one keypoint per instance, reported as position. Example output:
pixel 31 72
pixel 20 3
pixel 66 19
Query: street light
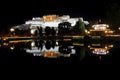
pixel 119 28
pixel 32 44
pixel 12 29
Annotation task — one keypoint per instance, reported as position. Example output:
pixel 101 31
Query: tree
pixel 60 29
pixel 40 31
pixel 53 32
pixel 47 30
pixel 48 44
pixel 80 27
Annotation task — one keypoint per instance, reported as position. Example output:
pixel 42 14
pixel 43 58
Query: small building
pixel 99 30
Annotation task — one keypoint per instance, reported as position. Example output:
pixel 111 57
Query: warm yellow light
pixel 4 39
pixel 106 47
pixel 88 32
pixel 5 44
pixel 111 46
pixel 50 54
pixel 111 31
pixel 49 17
pixel 93 26
pixel 107 26
pixel 105 31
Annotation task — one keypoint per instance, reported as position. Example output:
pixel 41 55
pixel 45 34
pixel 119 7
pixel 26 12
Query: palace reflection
pixel 55 48
pixel 51 48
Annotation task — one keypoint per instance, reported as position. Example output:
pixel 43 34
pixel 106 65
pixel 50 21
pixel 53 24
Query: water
pixel 60 51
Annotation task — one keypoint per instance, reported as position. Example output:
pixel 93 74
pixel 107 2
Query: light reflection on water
pixel 60 51
pixel 50 48
pixel 60 48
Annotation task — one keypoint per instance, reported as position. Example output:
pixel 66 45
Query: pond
pixel 58 51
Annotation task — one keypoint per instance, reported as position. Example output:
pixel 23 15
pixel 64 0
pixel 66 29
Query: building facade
pixel 47 23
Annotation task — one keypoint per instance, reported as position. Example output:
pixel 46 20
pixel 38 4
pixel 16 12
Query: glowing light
pixel 50 55
pixel 33 44
pixel 107 51
pixel 4 39
pixel 32 51
pixel 76 44
pixel 5 44
pixel 19 41
pixel 96 44
pixel 100 26
pixel 100 51
pixel 107 26
pixel 12 30
pixel 119 28
pixel 86 31
pixel 111 46
pixel 105 31
pixel 111 31
pixel 106 47
pixel 57 43
pixel 32 31
pixel 12 47
pixel 88 46
pixel 93 26
pixel 49 17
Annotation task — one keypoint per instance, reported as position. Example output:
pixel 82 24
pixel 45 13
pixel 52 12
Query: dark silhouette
pixel 64 28
pixel 113 15
pixel 48 44
pixel 47 31
pixel 53 32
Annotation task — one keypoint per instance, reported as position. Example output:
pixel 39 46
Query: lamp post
pixel 12 30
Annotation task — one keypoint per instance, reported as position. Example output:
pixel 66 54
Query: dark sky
pixel 16 12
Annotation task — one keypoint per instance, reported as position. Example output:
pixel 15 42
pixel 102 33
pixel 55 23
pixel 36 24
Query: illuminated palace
pixel 41 25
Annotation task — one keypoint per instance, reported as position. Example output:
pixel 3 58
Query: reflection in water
pixel 100 49
pixel 0 41
pixel 60 48
pixel 50 48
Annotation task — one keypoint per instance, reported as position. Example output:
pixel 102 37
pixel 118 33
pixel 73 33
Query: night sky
pixel 17 12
